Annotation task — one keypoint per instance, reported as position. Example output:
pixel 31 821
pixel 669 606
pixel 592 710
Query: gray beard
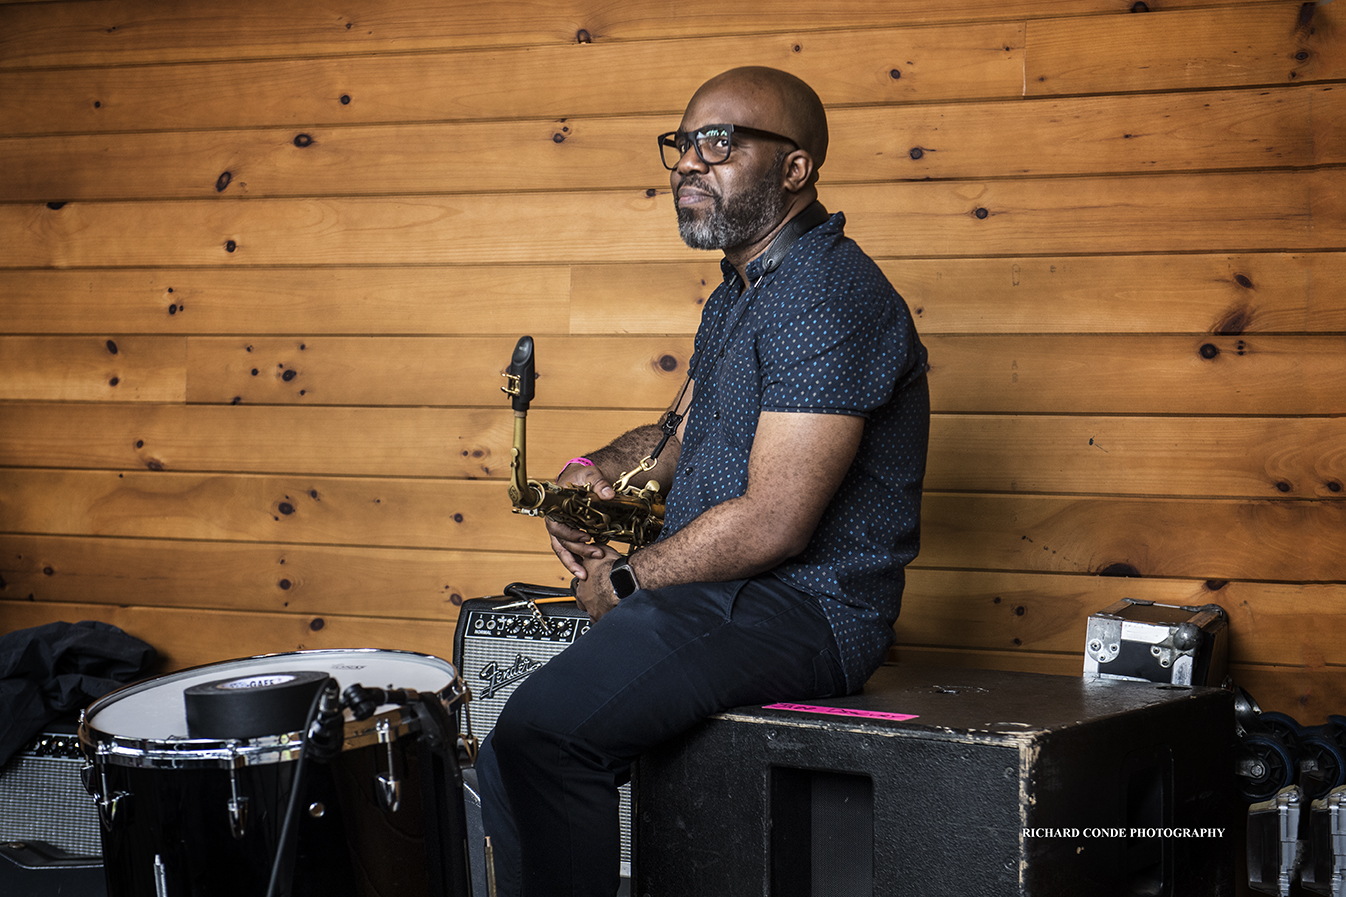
pixel 737 221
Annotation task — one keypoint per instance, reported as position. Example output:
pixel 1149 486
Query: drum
pixel 190 816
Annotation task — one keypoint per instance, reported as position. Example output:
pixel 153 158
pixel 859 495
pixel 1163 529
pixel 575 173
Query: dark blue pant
pixel 658 663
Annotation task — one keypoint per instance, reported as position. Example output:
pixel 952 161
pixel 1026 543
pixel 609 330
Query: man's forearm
pixel 628 450
pixel 733 540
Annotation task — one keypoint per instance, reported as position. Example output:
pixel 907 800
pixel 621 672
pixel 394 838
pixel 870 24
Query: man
pixel 794 499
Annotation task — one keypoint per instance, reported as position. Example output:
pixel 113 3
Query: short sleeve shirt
pixel 823 334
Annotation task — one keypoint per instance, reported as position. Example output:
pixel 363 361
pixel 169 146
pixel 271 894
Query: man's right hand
pixel 573 546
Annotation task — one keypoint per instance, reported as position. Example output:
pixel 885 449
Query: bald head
pixel 767 99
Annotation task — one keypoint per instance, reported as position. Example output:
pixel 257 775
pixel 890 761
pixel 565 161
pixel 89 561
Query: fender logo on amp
pixel 497 677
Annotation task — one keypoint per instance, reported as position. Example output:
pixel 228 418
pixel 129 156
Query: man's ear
pixel 798 171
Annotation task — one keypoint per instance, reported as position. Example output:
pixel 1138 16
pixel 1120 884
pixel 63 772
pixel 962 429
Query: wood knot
pixel 1235 322
pixel 583 37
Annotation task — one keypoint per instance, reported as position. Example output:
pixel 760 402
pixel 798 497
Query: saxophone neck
pixel 522 492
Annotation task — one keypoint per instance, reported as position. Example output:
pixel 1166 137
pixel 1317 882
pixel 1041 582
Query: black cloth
pixel 51 670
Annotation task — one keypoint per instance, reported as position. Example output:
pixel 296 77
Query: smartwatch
pixel 623 578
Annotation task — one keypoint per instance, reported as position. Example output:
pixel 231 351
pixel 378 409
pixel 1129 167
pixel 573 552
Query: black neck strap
pixel 795 228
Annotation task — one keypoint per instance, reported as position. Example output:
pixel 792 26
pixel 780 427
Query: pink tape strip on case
pixel 842 711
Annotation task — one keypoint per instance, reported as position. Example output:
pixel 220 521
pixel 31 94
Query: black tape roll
pixel 270 703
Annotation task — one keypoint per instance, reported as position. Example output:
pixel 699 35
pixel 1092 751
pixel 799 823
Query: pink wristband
pixel 583 462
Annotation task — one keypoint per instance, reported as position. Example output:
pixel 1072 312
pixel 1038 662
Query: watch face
pixel 623 580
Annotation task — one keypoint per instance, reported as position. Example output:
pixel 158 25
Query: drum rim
pixel 180 753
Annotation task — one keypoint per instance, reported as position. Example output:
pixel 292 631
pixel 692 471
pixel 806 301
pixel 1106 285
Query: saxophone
pixel 634 516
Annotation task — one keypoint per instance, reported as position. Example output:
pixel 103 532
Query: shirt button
pixel 716 415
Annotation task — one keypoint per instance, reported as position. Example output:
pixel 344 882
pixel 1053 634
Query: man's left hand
pixel 594 592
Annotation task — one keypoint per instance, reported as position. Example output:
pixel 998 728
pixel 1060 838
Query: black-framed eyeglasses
pixel 713 143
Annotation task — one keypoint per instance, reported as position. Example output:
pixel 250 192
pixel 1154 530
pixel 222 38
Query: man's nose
pixel 691 161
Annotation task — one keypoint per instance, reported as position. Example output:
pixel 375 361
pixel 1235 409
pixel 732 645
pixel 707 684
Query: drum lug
pixel 237 806
pixel 388 787
pixel 108 807
pixel 238 817
pixel 106 800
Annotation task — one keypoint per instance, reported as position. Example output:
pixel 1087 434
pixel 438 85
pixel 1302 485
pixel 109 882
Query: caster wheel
pixel 1265 766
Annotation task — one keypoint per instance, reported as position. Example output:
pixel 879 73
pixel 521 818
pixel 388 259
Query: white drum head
pixel 155 710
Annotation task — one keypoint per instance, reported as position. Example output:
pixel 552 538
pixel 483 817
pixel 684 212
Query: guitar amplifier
pixel 499 642
pixel 43 799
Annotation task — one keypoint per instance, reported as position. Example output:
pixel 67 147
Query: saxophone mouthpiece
pixel 519 376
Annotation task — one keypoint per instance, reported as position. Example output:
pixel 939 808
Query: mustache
pixel 696 182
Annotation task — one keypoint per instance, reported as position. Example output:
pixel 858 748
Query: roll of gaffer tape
pixel 271 703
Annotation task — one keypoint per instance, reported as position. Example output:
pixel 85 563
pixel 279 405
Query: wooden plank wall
pixel 261 269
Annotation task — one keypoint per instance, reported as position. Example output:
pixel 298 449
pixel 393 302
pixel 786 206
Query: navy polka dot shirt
pixel 823 334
